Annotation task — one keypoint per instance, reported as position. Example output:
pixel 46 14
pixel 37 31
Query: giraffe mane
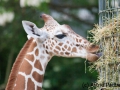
pixel 18 61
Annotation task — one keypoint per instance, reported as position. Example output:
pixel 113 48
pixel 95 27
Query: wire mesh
pixel 109 75
pixel 108 9
pixel 107 35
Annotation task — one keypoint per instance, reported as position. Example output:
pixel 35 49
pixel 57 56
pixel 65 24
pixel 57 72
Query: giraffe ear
pixel 31 29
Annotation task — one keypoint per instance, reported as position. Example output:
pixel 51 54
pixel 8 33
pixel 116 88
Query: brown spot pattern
pixel 48 40
pixel 60 44
pixel 61 53
pixel 80 48
pixel 49 57
pixel 76 40
pixel 31 47
pixel 80 40
pixel 44 45
pixel 69 48
pixel 65 46
pixel 68 42
pixel 47 52
pixel 20 83
pixel 85 41
pixel 47 47
pixel 30 85
pixel 37 77
pixel 36 52
pixel 53 43
pixel 74 49
pixel 57 47
pixel 30 57
pixel 39 88
pixel 63 49
pixel 56 51
pixel 67 53
pixel 50 48
pixel 42 57
pixel 38 65
pixel 26 67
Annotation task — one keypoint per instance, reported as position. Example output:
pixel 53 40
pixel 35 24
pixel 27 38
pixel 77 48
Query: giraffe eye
pixel 60 36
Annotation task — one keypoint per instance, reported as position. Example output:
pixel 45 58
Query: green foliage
pixel 44 7
pixel 70 72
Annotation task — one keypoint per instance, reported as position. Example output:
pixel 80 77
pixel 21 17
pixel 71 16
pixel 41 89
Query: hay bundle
pixel 111 28
pixel 108 65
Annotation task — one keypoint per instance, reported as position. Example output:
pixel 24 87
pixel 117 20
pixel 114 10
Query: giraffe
pixel 43 43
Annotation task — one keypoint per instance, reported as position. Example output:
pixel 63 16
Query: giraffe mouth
pixel 99 54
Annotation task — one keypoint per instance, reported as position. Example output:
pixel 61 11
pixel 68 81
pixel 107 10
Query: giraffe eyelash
pixel 60 36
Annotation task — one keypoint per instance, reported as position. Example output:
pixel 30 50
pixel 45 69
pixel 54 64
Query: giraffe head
pixel 60 40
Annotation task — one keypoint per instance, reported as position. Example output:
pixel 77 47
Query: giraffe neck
pixel 30 73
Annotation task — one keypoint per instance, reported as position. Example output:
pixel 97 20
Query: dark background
pixel 61 73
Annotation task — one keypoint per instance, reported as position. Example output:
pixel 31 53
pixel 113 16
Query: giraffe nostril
pixel 40 16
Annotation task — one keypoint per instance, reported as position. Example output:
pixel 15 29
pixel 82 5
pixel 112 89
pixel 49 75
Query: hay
pixel 108 65
pixel 107 31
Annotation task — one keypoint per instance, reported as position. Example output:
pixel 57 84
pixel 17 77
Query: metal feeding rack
pixel 107 36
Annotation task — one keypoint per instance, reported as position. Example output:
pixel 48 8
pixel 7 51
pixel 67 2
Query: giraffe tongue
pixel 99 54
